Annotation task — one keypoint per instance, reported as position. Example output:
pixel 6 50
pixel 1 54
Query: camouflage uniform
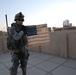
pixel 20 52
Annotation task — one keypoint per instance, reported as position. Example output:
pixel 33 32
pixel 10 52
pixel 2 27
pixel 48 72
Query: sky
pixel 51 12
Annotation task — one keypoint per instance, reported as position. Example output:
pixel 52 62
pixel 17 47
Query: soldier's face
pixel 20 21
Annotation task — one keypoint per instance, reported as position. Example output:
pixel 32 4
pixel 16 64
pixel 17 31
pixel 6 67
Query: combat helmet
pixel 19 16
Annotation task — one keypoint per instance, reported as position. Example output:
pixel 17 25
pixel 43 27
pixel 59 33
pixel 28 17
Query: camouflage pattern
pixel 19 16
pixel 20 52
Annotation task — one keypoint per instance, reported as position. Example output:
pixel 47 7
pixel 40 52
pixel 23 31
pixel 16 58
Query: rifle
pixel 9 44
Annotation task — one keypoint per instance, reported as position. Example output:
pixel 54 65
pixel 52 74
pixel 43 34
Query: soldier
pixel 19 51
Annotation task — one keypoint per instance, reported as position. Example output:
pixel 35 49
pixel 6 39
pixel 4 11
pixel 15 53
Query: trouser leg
pixel 13 69
pixel 23 66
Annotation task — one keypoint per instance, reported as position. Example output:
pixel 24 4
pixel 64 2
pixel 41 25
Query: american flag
pixel 37 35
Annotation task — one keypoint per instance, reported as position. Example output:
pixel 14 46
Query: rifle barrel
pixel 6 20
pixel 6 23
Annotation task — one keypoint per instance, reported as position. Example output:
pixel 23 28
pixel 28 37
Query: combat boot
pixel 23 71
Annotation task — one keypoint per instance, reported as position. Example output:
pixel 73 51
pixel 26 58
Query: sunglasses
pixel 20 19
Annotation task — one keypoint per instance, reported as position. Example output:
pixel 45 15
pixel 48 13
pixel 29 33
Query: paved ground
pixel 40 64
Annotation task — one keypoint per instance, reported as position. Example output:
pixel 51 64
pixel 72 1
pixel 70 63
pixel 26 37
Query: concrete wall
pixel 62 43
pixel 36 49
pixel 72 45
pixel 3 42
pixel 58 44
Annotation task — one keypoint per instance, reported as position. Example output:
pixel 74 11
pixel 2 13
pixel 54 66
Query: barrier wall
pixel 1 44
pixel 62 43
pixel 72 45
pixel 58 44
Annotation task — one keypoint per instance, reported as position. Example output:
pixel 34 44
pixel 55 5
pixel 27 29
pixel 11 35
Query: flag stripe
pixel 38 36
pixel 41 25
pixel 46 32
pixel 37 44
pixel 38 39
pixel 40 29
